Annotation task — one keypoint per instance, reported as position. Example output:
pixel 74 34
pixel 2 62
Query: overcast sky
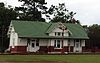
pixel 88 11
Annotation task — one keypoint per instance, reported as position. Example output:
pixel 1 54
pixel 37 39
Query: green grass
pixel 59 58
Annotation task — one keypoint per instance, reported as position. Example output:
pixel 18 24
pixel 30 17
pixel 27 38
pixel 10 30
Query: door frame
pixel 77 46
pixel 32 46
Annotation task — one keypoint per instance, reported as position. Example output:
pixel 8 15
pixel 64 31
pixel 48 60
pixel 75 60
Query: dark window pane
pixel 77 40
pixel 62 34
pixel 55 43
pixel 58 33
pixel 58 43
pixel 32 44
pixel 37 43
pixel 55 33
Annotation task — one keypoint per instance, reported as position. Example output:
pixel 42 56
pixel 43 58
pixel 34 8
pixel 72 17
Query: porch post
pixel 62 41
pixel 28 42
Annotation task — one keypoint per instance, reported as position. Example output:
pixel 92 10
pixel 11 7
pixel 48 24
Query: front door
pixel 34 46
pixel 77 47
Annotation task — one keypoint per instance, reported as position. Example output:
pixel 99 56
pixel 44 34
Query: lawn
pixel 52 58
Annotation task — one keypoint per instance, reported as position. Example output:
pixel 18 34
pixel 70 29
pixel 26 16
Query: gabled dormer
pixel 58 29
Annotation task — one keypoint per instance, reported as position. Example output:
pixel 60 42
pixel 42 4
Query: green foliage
pixel 6 15
pixel 61 14
pixel 31 10
pixel 93 33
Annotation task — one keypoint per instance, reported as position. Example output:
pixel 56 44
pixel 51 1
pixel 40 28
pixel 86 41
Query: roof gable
pixel 55 25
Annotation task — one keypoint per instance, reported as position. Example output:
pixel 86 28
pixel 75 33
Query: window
pixel 37 43
pixel 32 44
pixel 33 40
pixel 77 40
pixel 62 34
pixel 58 34
pixel 77 45
pixel 57 44
pixel 55 33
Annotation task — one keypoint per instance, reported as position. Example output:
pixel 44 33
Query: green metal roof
pixel 40 29
pixel 77 30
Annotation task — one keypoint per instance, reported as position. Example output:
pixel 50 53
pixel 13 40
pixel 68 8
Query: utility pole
pixel 62 39
pixel 63 28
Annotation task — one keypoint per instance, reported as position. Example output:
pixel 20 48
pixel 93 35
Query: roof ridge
pixel 27 21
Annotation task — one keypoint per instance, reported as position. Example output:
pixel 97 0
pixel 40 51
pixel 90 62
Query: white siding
pixel 71 42
pixel 51 42
pixel 83 43
pixel 22 42
pixel 13 36
pixel 58 30
pixel 66 34
pixel 13 39
pixel 55 30
pixel 43 42
pixel 18 41
pixel 65 43
pixel 52 34
pixel 10 30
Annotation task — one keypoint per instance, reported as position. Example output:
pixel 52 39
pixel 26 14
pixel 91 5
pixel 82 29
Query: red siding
pixel 43 49
pixel 50 49
pixel 84 49
pixel 71 48
pixel 65 49
pixel 62 50
pixel 19 49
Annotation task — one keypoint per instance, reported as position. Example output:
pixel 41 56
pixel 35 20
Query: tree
pixel 93 33
pixel 61 14
pixel 6 15
pixel 31 10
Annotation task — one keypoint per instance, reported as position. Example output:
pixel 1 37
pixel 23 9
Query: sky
pixel 87 11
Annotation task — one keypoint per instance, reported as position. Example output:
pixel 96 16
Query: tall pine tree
pixel 31 10
pixel 6 15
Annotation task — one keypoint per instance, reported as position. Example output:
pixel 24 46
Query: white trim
pixel 57 52
pixel 54 52
pixel 13 42
pixel 77 47
pixel 58 48
pixel 57 43
pixel 30 48
pixel 66 52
